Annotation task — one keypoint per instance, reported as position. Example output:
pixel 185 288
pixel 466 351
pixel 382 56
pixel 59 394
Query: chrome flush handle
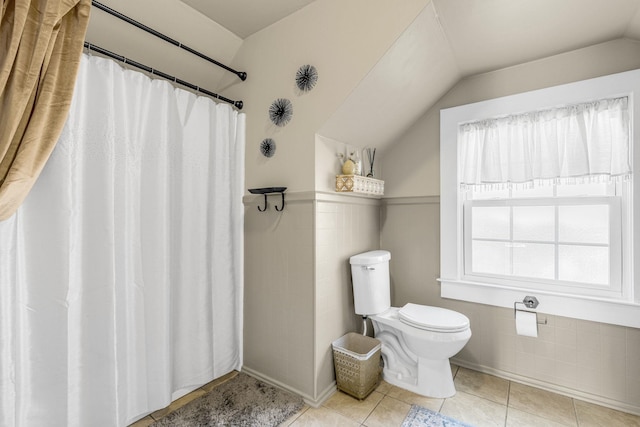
pixel 368 267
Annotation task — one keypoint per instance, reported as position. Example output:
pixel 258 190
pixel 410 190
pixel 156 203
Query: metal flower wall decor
pixel 281 112
pixel 306 77
pixel 268 147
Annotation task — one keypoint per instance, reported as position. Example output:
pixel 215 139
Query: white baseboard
pixel 326 393
pixel 309 400
pixel 565 391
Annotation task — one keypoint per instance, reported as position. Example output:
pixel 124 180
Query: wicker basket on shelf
pixel 359 184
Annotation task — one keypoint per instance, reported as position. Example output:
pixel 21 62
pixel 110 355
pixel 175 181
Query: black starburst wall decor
pixel 281 112
pixel 306 77
pixel 268 147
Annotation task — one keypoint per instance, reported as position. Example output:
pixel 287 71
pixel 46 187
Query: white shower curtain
pixel 121 275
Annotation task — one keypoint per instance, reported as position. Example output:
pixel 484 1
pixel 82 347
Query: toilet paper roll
pixel 526 323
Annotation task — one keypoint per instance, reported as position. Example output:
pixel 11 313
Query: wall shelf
pixel 266 191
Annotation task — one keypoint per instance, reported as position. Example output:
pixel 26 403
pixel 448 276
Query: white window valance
pixel 587 142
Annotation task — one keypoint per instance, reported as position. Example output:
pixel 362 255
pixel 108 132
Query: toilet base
pixel 434 379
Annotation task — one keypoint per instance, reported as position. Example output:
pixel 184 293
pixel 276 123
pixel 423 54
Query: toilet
pixel 417 340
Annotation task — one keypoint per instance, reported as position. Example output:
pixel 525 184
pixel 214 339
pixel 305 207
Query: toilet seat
pixel 434 319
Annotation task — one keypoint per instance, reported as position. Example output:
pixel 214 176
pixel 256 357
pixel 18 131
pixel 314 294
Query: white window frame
pixel 622 308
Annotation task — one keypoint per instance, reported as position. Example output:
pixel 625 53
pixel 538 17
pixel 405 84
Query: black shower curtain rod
pixel 237 104
pixel 241 74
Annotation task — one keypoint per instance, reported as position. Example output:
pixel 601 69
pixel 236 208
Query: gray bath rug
pixel 241 401
pixel 423 417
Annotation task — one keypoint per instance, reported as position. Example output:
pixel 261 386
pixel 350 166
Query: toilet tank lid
pixel 371 257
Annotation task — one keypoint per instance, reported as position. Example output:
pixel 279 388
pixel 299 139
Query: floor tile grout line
pixel 482 397
pixel 374 408
pixel 506 414
pixel 445 399
pixel 528 411
pixel 298 415
pixel 575 412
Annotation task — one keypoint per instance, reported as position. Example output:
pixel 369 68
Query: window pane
pixel 586 264
pixel 584 224
pixel 490 222
pixel 534 223
pixel 534 260
pixel 490 257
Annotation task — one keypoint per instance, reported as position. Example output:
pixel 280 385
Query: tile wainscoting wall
pixel 298 299
pixel 587 360
pixel 278 292
pixel 298 295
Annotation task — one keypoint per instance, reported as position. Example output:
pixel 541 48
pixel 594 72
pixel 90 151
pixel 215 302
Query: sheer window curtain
pixel 121 275
pixel 578 143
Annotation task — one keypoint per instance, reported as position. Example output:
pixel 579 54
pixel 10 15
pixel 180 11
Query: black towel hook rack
pixel 269 190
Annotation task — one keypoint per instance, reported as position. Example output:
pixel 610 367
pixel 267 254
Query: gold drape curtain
pixel 41 43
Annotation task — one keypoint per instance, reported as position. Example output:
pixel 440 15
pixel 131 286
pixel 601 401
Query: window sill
pixel 601 310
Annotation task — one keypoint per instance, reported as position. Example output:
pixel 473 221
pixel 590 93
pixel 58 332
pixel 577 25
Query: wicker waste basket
pixel 356 359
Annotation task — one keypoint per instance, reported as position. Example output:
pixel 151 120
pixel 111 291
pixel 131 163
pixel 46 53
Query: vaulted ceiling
pixel 451 40
pixel 490 34
pixel 246 17
pixel 448 41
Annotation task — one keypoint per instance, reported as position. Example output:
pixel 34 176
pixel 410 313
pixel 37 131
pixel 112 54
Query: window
pixel 534 203
pixel 557 238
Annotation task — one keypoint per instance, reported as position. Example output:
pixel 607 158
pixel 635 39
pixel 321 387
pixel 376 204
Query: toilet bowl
pixel 417 340
pixel 416 357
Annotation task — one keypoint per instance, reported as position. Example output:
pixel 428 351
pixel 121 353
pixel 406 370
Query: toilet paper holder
pixel 529 302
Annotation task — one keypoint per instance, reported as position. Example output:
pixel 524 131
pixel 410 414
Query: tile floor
pixel 481 400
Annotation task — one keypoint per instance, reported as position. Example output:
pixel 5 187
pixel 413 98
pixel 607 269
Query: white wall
pixel 298 295
pixel 592 361
pixel 343 40
pixel 412 167
pixel 176 20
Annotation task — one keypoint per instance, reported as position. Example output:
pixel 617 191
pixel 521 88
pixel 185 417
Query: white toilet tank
pixel 370 276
